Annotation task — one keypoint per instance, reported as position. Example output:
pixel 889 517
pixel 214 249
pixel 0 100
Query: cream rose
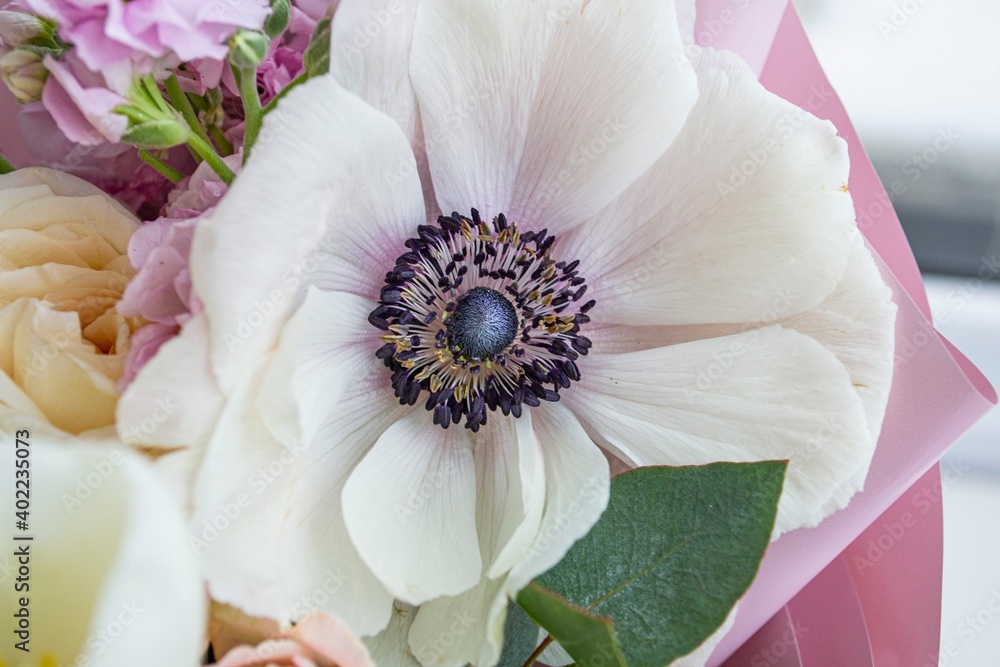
pixel 63 268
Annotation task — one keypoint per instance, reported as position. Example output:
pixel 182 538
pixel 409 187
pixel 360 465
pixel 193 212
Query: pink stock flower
pixel 281 66
pixel 83 102
pixel 162 292
pixel 105 32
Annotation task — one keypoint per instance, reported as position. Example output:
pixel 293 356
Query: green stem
pixel 160 166
pixel 219 137
pixel 246 78
pixel 205 150
pixel 183 104
pixel 301 78
pixel 538 652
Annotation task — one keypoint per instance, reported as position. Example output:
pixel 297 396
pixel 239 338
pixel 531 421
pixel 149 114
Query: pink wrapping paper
pixel 864 588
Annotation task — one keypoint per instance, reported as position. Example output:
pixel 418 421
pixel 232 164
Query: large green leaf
pixel 671 556
pixel 5 166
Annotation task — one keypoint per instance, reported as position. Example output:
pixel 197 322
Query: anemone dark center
pixel 480 317
pixel 483 325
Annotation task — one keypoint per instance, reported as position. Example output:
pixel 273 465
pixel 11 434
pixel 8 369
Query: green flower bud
pixel 248 48
pixel 18 28
pixel 277 22
pixel 154 134
pixel 316 59
pixel 24 73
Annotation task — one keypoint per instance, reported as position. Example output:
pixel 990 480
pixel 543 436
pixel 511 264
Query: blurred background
pixel 921 80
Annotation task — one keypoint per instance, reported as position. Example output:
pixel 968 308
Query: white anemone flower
pixel 645 259
pixel 100 574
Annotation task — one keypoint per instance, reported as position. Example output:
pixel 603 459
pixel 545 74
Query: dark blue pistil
pixel 483 324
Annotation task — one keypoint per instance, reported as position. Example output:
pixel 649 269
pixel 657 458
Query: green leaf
pixel 279 18
pixel 5 166
pixel 588 638
pixel 671 556
pixel 316 59
pixel 520 636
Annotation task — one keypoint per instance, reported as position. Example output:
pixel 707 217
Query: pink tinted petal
pixel 92 46
pixel 204 74
pixel 245 14
pixel 151 293
pixel 331 640
pixel 85 115
pixel 146 239
pixel 274 652
pixel 145 343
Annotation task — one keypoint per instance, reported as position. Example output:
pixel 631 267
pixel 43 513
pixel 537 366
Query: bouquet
pixel 456 332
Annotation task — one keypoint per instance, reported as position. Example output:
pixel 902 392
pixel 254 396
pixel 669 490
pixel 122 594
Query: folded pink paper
pixel 884 551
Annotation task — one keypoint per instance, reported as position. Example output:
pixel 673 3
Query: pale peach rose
pixel 63 268
pixel 318 640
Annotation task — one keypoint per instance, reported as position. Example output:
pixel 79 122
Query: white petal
pixel 314 205
pixel 855 322
pixel 461 630
pixel 110 552
pixel 577 484
pixel 175 400
pixel 370 56
pixel 155 574
pixel 696 240
pixel 390 648
pixel 687 14
pixel 268 520
pixel 768 394
pixel 525 107
pixel 314 531
pixel 510 490
pixel 410 509
pixel 325 347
